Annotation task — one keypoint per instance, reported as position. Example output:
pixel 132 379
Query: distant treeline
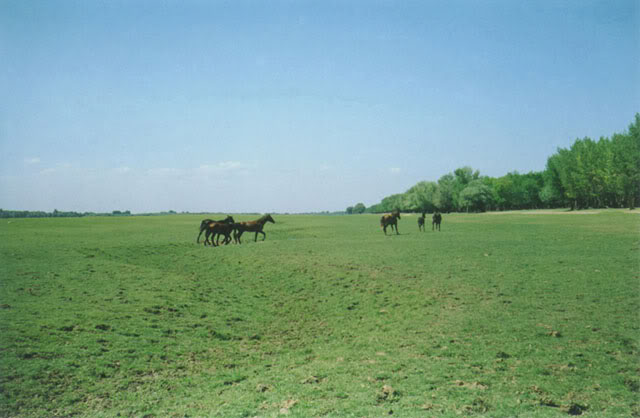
pixel 597 174
pixel 56 214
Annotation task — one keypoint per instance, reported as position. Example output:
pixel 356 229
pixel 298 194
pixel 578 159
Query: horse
pixel 435 222
pixel 215 229
pixel 421 222
pixel 390 219
pixel 204 226
pixel 252 226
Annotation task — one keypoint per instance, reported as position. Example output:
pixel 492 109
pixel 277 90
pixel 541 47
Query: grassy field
pixel 517 314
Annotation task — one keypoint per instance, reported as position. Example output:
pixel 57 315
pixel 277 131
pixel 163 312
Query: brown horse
pixel 207 224
pixel 216 229
pixel 390 219
pixel 421 222
pixel 435 221
pixel 252 226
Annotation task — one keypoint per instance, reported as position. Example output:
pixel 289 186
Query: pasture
pixel 517 314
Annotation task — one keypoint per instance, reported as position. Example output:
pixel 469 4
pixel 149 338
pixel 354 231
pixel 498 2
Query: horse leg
pixel 264 236
pixel 397 232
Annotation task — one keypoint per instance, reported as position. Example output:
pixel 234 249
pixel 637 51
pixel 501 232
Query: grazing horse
pixel 252 226
pixel 435 223
pixel 204 226
pixel 390 219
pixel 421 222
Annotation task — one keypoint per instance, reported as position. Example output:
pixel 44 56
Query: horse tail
pixel 201 229
pixel 203 225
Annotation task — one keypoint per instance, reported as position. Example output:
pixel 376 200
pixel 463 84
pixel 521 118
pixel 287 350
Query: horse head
pixel 268 218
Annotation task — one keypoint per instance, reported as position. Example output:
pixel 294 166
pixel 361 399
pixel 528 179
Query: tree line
pixel 596 174
pixel 56 214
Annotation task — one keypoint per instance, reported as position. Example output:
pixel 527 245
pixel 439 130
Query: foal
pixel 435 223
pixel 421 222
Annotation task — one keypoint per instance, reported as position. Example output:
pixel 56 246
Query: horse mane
pixel 263 219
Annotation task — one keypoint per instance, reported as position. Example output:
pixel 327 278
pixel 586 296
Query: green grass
pixel 499 314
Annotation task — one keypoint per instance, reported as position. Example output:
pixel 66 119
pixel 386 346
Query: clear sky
pixel 294 106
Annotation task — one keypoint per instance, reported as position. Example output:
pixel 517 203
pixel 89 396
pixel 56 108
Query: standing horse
pixel 390 219
pixel 252 226
pixel 436 220
pixel 421 222
pixel 204 226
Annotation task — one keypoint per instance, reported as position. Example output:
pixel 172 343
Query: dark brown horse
pixel 390 219
pixel 252 226
pixel 204 226
pixel 435 221
pixel 421 222
pixel 216 229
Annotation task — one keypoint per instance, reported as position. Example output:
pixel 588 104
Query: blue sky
pixel 295 106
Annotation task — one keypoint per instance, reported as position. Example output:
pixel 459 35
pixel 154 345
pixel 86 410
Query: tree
pixel 390 203
pixel 446 186
pixel 554 190
pixel 359 208
pixel 423 197
pixel 350 210
pixel 626 162
pixel 476 197
pixel 601 173
pixel 504 192
pixel 463 176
